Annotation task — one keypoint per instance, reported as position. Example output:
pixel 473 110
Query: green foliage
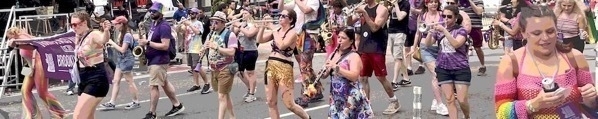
pixel 216 3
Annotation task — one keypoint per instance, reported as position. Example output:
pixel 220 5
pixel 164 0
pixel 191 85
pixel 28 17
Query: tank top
pixel 247 43
pixel 568 26
pixel 373 42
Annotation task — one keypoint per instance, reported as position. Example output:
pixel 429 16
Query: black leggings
pixel 576 42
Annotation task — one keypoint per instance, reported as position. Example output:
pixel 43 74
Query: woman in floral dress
pixel 348 101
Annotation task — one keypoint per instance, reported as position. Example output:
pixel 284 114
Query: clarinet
pixel 320 74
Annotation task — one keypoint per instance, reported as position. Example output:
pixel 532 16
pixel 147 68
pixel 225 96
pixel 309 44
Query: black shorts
pixel 459 76
pixel 247 60
pixel 410 38
pixel 94 81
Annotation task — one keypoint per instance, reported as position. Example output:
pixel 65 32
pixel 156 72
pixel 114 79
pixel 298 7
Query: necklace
pixel 546 79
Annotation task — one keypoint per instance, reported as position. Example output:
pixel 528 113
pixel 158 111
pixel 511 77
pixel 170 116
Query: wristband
pixel 148 43
pixel 530 107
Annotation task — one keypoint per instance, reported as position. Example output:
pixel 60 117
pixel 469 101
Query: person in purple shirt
pixel 452 65
pixel 158 58
pixel 414 12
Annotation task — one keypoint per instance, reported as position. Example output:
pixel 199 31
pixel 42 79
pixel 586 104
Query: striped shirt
pixel 476 20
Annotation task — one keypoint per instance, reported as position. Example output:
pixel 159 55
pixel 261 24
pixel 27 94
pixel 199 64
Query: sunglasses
pixel 447 16
pixel 284 16
pixel 74 25
pixel 451 3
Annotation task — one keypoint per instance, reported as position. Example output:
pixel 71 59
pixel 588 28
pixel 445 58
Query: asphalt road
pixel 200 106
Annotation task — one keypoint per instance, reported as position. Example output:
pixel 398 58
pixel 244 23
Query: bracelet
pixel 148 43
pixel 530 108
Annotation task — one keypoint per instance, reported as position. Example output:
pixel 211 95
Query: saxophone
pixel 325 30
pixel 493 35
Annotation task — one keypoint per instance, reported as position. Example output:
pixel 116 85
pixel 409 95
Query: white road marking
pixel 65 87
pixel 143 101
pixel 306 110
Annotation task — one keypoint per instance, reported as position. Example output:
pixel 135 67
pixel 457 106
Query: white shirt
pixel 302 18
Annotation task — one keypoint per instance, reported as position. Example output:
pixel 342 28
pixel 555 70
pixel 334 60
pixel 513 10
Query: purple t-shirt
pixel 156 34
pixel 449 57
pixel 413 17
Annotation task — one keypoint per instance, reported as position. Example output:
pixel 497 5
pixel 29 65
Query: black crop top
pixel 288 52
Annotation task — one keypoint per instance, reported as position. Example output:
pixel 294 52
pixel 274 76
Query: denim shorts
pixel 429 53
pixel 125 65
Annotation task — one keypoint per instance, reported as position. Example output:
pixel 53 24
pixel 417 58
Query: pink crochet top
pixel 510 95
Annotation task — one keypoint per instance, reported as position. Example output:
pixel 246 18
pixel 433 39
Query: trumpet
pixel 351 9
pixel 423 28
pixel 389 3
pixel 231 22
pixel 263 21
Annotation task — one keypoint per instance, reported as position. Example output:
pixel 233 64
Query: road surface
pixel 200 106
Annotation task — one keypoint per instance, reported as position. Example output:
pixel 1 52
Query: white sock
pixel 393 99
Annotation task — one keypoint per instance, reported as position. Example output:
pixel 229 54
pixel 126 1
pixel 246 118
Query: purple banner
pixel 57 54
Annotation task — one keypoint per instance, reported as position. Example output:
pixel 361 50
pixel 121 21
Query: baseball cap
pixel 120 19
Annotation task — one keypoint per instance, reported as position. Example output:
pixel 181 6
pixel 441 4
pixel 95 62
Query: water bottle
pixel 549 85
pixel 581 33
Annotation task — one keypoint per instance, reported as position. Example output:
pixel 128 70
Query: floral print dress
pixel 348 100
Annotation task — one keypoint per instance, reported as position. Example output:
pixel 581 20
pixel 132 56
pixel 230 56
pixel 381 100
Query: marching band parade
pixel 542 71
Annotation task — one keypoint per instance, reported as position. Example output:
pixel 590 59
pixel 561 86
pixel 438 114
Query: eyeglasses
pixel 447 16
pixel 451 3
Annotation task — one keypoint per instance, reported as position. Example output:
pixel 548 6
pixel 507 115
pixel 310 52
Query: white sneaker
pixel 434 105
pixel 70 92
pixel 250 98
pixel 442 110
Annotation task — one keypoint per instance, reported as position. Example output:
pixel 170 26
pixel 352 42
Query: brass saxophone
pixel 325 31
pixel 139 51
pixel 493 35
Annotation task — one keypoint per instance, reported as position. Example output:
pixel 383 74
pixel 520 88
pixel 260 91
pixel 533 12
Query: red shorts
pixel 373 63
pixel 476 37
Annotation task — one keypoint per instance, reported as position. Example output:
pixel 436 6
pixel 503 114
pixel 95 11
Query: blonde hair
pixel 15 31
pixel 576 9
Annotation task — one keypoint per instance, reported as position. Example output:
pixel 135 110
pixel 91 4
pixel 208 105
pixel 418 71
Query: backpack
pixel 171 46
pixel 320 19
pixel 133 43
pixel 237 50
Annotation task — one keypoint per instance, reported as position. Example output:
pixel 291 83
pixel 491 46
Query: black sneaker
pixel 482 71
pixel 150 115
pixel 301 101
pixel 194 88
pixel 175 110
pixel 318 97
pixel 409 72
pixel 404 83
pixel 420 70
pixel 395 86
pixel 206 89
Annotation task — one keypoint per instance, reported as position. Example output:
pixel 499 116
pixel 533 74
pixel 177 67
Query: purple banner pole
pixel 57 54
